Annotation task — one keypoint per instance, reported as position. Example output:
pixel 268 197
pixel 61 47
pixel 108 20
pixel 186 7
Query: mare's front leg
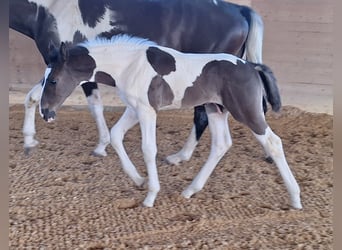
pixel 148 120
pixel 31 101
pixel 117 133
pixel 200 124
pixel 92 93
pixel 220 143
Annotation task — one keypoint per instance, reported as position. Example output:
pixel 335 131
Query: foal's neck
pixel 123 63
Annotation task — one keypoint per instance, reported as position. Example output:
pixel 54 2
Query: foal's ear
pixel 53 52
pixel 63 51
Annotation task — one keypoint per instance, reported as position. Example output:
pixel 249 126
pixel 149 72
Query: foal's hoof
pixel 173 160
pixel 142 184
pixel 99 154
pixel 269 159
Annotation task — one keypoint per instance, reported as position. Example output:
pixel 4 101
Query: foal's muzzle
pixel 48 115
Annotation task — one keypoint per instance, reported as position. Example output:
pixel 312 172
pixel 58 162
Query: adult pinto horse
pixel 150 78
pixel 186 25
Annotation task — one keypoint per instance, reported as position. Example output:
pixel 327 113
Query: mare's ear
pixel 63 51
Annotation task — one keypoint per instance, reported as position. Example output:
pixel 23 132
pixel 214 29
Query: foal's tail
pixel 270 85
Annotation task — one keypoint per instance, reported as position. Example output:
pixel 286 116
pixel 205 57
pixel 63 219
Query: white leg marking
pixel 273 146
pixel 220 143
pixel 31 101
pixel 127 121
pixel 185 153
pixel 147 119
pixel 96 109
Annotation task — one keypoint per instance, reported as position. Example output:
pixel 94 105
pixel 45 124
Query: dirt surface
pixel 62 197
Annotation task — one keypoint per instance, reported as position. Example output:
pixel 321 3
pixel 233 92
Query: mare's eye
pixel 53 82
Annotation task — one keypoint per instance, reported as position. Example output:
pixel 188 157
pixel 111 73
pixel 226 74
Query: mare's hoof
pixel 269 159
pixel 28 150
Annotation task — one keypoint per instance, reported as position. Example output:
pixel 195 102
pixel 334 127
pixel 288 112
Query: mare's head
pixel 68 67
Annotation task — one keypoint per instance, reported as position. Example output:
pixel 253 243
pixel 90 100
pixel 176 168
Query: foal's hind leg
pixel 200 124
pixel 273 146
pixel 220 143
pixel 31 102
pixel 96 108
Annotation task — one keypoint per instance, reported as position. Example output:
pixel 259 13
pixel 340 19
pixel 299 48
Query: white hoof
pixel 100 150
pixel 187 193
pixel 296 203
pixel 140 182
pixel 174 159
pixel 149 200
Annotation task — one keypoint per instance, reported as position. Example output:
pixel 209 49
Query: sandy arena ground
pixel 62 197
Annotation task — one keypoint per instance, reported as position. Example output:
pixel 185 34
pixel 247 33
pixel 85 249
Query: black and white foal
pixel 150 78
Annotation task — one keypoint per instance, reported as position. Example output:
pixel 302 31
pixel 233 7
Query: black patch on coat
pixel 104 78
pixel 238 86
pixel 88 88
pixel 162 62
pixel 78 37
pixel 92 11
pixel 159 93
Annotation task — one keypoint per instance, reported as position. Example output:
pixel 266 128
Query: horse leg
pixel 148 119
pixel 117 133
pixel 200 124
pixel 31 102
pixel 220 143
pixel 273 146
pixel 96 109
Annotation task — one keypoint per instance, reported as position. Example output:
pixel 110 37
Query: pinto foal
pixel 150 78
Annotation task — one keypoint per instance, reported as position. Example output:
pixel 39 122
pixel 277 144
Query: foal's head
pixel 68 67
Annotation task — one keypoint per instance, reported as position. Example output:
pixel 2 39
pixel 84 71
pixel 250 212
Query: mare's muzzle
pixel 48 115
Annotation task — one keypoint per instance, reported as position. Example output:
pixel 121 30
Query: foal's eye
pixel 53 82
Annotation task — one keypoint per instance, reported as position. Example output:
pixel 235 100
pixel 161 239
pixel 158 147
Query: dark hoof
pixel 269 159
pixel 28 150
pixel 48 115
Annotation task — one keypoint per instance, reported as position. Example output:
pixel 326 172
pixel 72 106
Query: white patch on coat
pixel 69 19
pixel 46 75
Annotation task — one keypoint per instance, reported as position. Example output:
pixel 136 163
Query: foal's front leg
pixel 92 93
pixel 148 120
pixel 127 121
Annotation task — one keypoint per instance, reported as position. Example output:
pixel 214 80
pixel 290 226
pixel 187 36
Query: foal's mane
pixel 118 40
